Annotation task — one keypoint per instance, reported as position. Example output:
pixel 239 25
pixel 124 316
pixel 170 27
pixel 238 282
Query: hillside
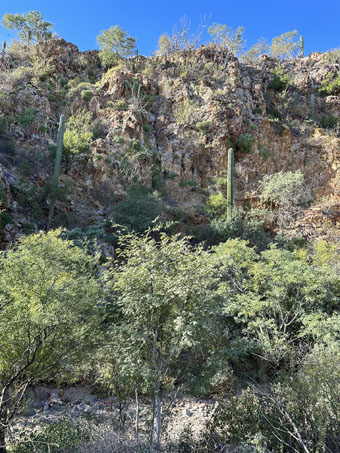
pixel 164 123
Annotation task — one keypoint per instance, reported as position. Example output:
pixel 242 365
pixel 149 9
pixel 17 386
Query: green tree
pixel 276 297
pixel 227 38
pixel 163 308
pixel 260 48
pixel 284 47
pixel 115 44
pixel 181 38
pixel 29 26
pixel 49 291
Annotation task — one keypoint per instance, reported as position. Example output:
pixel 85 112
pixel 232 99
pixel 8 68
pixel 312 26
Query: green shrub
pixel 329 121
pixel 245 143
pixel 78 135
pixel 138 210
pixel 188 183
pixel 86 95
pixel 203 126
pixel 118 139
pixel 27 117
pixel 284 192
pixel 306 404
pixel 280 79
pixel 119 105
pixel 62 436
pixel 331 85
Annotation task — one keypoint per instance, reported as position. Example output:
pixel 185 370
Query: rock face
pixel 172 119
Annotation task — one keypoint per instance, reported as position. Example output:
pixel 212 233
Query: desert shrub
pixel 203 126
pixel 285 192
pixel 300 413
pixel 331 56
pixel 27 117
pixel 5 122
pixel 78 135
pixel 188 183
pixel 329 121
pixel 245 143
pixel 331 85
pixel 86 95
pixel 138 210
pixel 62 436
pixel 119 105
pixel 280 79
pixel 284 47
pixel 247 225
pixel 183 111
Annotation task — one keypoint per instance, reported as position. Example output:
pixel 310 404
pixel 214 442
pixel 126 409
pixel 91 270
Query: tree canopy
pixel 30 27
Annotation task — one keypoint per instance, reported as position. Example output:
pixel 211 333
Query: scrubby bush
pixel 300 413
pixel 285 192
pixel 78 135
pixel 280 79
pixel 203 126
pixel 138 210
pixel 86 95
pixel 331 85
pixel 329 121
pixel 284 47
pixel 245 143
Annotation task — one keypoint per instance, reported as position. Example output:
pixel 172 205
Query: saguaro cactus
pixel 302 47
pixel 3 51
pixel 312 106
pixel 230 183
pixel 56 174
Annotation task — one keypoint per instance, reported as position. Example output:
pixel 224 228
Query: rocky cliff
pixel 165 122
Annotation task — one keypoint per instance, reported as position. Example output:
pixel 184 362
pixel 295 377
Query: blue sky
pixel 80 21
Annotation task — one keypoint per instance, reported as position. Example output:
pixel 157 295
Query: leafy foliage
pixel 284 47
pixel 78 134
pixel 227 38
pixel 115 44
pixel 284 191
pixel 138 210
pixel 29 26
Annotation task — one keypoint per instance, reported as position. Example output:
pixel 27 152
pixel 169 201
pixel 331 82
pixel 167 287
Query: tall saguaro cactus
pixel 56 174
pixel 230 183
pixel 302 47
pixel 312 106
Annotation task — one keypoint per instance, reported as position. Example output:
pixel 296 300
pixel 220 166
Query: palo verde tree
pixel 227 38
pixel 49 295
pixel 284 47
pixel 115 44
pixel 30 27
pixel 163 308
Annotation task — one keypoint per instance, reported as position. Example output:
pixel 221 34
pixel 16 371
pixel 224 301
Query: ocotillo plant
pixel 56 174
pixel 312 106
pixel 230 183
pixel 302 47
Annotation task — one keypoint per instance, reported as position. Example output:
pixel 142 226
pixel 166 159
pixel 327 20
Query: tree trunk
pixel 2 439
pixel 159 416
pixel 152 425
pixel 137 416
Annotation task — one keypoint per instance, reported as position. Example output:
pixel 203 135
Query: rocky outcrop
pixel 174 117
